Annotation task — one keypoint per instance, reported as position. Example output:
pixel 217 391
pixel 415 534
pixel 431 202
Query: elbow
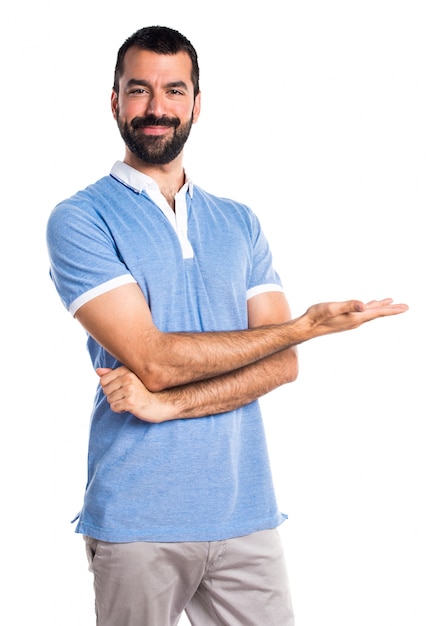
pixel 292 374
pixel 153 377
pixel 155 380
pixel 291 365
pixel 152 364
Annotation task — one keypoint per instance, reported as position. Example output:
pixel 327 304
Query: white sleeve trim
pixel 99 290
pixel 263 289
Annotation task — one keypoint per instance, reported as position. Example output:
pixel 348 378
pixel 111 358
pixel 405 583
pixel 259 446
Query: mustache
pixel 153 120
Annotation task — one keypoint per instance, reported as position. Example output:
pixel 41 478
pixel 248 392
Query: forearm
pixel 121 322
pixel 227 392
pixel 124 327
pixel 182 358
pixel 233 390
pixel 185 358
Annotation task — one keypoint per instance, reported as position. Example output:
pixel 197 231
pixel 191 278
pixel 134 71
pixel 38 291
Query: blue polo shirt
pixel 198 479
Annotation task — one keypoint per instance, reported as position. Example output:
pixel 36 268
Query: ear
pixel 197 108
pixel 114 104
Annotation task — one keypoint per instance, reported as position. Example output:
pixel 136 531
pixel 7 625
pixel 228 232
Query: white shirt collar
pixel 138 181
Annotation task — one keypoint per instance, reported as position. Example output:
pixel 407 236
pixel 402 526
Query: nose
pixel 155 105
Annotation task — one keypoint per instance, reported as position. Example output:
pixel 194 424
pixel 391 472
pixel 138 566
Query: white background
pixel 322 116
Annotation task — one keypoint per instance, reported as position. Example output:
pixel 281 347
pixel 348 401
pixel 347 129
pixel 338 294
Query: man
pixel 188 326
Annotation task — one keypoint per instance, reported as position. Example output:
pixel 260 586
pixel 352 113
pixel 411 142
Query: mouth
pixel 154 126
pixel 154 130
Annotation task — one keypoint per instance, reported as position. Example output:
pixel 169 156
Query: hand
pixel 335 317
pixel 126 393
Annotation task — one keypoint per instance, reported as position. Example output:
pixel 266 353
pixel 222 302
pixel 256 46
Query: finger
pixel 118 395
pixel 375 303
pixel 100 371
pixel 107 374
pixel 327 310
pixel 117 406
pixel 111 388
pixel 395 309
pixel 384 311
pixel 351 306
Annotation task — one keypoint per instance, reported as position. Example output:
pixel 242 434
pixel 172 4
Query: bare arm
pixel 125 391
pixel 121 322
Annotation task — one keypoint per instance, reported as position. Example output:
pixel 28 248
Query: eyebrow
pixel 145 83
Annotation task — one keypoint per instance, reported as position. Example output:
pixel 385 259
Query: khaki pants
pixel 236 582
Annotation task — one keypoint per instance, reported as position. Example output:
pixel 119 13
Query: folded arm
pixel 126 392
pixel 121 322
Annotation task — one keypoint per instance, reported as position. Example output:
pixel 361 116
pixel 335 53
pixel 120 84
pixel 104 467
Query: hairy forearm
pixel 181 358
pixel 124 327
pixel 227 392
pixel 233 390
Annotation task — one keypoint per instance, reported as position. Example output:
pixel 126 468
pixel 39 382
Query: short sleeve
pixel 263 275
pixel 84 261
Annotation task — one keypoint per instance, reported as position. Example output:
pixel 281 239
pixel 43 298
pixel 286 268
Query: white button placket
pixel 181 218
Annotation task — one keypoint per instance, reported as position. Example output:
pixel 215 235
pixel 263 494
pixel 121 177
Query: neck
pixel 169 177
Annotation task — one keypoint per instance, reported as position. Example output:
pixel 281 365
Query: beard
pixel 153 149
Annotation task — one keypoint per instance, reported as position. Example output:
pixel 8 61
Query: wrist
pixel 301 329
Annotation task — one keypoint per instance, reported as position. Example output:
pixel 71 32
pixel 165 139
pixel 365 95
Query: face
pixel 155 107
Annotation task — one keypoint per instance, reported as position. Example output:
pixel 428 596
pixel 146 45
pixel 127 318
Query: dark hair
pixel 161 40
